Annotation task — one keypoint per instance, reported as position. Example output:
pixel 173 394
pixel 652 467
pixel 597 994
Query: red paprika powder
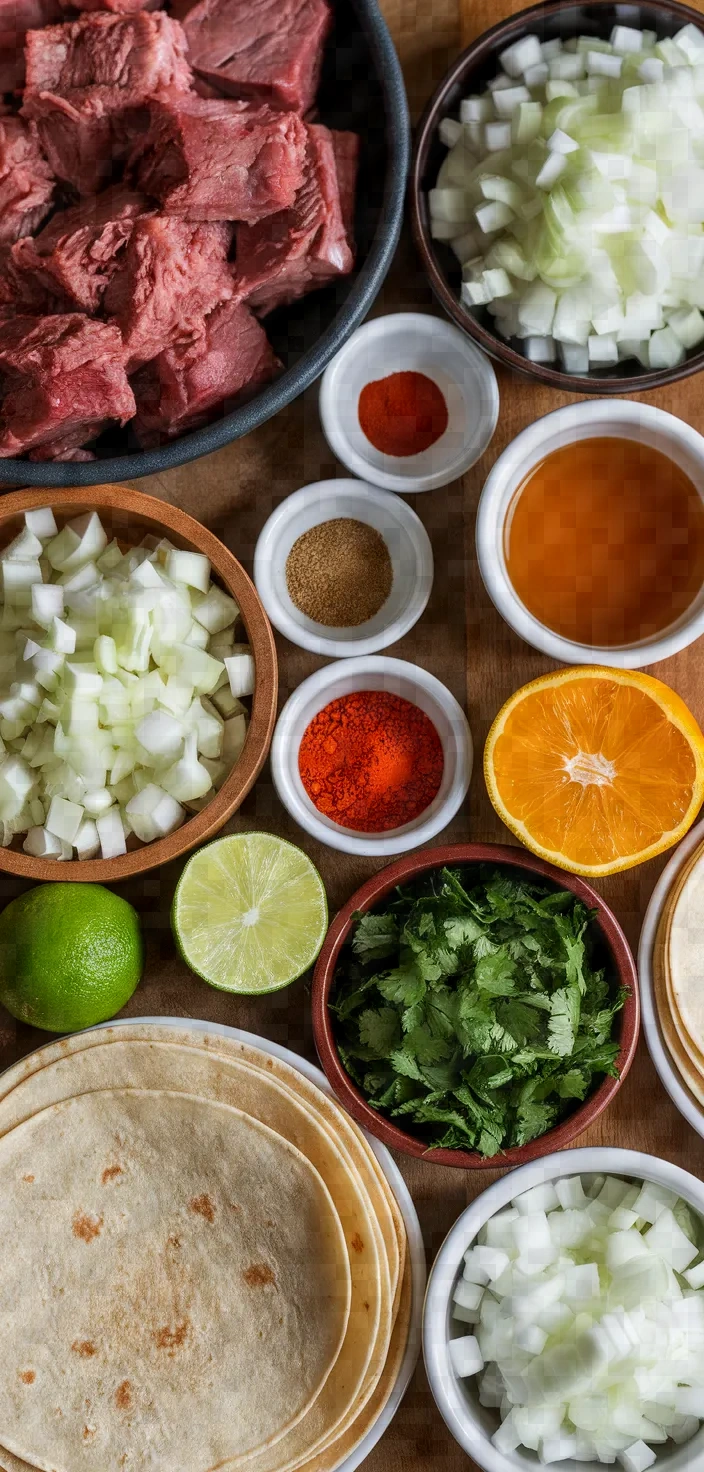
pixel 402 414
pixel 371 761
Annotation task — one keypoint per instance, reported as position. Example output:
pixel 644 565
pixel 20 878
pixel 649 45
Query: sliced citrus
pixel 595 769
pixel 249 913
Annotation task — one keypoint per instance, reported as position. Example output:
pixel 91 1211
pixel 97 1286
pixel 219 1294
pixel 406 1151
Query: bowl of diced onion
pixel 138 683
pixel 558 194
pixel 564 1317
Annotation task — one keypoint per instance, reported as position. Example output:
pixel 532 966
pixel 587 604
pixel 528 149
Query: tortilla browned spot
pixel 86 1227
pixel 203 1206
pixel 123 1396
pixel 259 1275
pixel 84 1347
pixel 172 1339
pixel 110 1172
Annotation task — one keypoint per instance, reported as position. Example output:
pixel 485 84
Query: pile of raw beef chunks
pixel 161 190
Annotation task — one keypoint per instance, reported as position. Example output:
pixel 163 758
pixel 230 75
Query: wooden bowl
pixel 370 895
pixel 129 515
pixel 470 74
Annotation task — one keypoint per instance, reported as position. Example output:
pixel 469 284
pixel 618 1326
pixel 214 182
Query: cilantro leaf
pixel 375 937
pixel 495 973
pixel 564 1019
pixel 379 1030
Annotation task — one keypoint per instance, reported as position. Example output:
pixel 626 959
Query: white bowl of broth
pixel 590 534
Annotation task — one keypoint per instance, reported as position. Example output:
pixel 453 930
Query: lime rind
pixel 250 913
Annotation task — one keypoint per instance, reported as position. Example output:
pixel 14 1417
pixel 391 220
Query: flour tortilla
pixel 350 1140
pixel 209 1274
pixel 136 1064
pixel 684 961
pixel 348 1135
pixel 669 1026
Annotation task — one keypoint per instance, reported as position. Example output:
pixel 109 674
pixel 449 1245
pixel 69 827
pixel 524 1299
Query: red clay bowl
pixel 371 894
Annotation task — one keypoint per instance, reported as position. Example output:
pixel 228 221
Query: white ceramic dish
pixel 669 1075
pixel 610 418
pixel 411 342
pixel 409 549
pixel 397 1184
pixel 457 1400
pixel 397 677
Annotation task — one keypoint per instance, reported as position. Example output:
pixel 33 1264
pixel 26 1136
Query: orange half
pixel 596 769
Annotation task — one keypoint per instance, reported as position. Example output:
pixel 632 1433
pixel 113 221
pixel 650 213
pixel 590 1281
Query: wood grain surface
pixel 464 642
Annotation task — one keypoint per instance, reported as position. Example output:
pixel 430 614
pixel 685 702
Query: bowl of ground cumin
pixel 343 568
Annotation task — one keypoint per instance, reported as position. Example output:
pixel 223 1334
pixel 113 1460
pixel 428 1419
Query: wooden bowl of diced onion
pixel 185 557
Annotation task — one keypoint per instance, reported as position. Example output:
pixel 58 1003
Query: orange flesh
pixel 604 542
pixel 594 769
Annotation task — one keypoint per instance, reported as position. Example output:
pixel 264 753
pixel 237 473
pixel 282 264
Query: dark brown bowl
pixel 472 70
pixel 129 515
pixel 411 868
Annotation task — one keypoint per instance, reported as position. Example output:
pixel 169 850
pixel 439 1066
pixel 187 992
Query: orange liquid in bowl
pixel 604 542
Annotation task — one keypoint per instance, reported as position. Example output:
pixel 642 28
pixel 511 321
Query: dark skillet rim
pixel 481 50
pixel 300 377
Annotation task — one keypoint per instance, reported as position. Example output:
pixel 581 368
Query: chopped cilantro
pixel 476 1008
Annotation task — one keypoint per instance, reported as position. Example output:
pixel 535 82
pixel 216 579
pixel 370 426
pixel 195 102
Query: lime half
pixel 249 913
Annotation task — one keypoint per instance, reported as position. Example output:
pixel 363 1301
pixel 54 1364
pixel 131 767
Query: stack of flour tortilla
pixel 204 1266
pixel 679 974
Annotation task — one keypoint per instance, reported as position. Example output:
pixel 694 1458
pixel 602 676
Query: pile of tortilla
pixel 678 970
pixel 204 1265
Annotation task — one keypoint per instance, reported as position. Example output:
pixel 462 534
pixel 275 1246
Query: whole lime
pixel 71 955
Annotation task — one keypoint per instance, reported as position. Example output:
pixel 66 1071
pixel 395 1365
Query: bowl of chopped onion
pixel 138 683
pixel 564 1317
pixel 558 194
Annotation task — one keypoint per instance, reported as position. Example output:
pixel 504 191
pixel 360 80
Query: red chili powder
pixel 371 761
pixel 402 414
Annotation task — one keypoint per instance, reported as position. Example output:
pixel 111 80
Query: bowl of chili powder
pixel 372 756
pixel 409 403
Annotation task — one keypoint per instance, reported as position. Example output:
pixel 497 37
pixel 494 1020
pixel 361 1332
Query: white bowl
pixel 409 549
pixel 669 1075
pixel 457 1400
pixel 398 678
pixel 411 342
pixel 605 418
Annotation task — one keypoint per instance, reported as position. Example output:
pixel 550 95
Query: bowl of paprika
pixel 409 403
pixel 372 756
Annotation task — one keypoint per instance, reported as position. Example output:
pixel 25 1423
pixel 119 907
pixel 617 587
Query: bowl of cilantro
pixel 475 1006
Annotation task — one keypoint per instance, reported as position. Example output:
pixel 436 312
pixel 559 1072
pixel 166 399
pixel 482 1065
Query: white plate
pixel 395 1180
pixel 669 1076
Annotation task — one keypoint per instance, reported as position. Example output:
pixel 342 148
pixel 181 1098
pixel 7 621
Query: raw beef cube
pixel 26 181
pixel 271 49
pixel 118 7
pixel 16 18
pixel 63 380
pixel 305 247
pixel 218 160
pixel 346 150
pixel 172 274
pixel 87 85
pixel 19 293
pixel 229 356
pixel 76 255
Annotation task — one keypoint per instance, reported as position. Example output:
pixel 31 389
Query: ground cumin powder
pixel 339 573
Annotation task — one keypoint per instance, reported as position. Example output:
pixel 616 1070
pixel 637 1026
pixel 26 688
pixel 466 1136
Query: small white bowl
pixel 669 1075
pixel 409 549
pixel 411 342
pixel 398 677
pixel 457 1400
pixel 603 418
